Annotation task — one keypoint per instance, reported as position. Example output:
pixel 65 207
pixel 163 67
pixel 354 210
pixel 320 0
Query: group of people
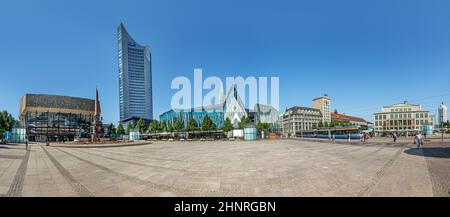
pixel 418 138
pixel 364 137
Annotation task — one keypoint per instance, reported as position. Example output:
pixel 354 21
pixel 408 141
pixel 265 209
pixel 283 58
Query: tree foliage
pixel 244 120
pixel 227 125
pixel 119 129
pixel 7 122
pixel 208 124
pixel 178 125
pixel 192 125
pixel 262 126
pixel 140 125
pixel 111 130
pixel 153 127
pixel 128 129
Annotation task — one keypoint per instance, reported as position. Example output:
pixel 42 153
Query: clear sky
pixel 364 54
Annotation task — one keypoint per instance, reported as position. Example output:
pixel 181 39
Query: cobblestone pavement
pixel 227 168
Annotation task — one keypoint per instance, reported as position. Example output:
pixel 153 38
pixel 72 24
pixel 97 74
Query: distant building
pixel 55 117
pixel 442 113
pixel 401 117
pixel 298 119
pixel 267 114
pixel 323 103
pixel 135 78
pixel 355 121
pixel 231 108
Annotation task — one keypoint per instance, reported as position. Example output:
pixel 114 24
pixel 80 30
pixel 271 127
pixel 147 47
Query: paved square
pixel 225 168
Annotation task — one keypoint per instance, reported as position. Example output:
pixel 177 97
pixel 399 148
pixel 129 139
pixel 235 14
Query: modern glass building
pixel 56 118
pixel 135 78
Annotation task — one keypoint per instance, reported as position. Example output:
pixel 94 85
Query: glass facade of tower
pixel 135 78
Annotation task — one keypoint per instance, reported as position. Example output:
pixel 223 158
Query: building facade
pixel 442 113
pixel 231 108
pixel 51 117
pixel 402 117
pixel 269 115
pixel 135 78
pixel 354 121
pixel 298 119
pixel 323 103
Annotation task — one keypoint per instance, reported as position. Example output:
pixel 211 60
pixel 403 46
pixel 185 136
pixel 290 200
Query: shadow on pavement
pixel 438 152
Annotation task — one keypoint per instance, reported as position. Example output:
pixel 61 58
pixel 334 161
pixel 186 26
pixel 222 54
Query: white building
pixel 298 119
pixel 442 113
pixel 402 117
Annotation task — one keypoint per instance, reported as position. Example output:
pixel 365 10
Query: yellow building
pixel 323 103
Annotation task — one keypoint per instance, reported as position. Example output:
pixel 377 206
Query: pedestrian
pixel 361 137
pixel 418 140
pixel 333 137
pixel 349 137
pixel 394 135
pixel 26 144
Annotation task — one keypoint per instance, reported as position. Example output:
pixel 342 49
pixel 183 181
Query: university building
pixel 402 117
pixel 231 108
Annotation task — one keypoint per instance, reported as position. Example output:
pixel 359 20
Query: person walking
pixel 418 140
pixel 349 137
pixel 26 144
pixel 394 135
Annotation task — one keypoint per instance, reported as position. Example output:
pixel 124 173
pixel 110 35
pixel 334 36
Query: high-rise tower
pixel 323 103
pixel 135 78
pixel 442 113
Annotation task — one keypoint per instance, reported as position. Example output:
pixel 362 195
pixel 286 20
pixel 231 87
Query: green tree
pixel 178 125
pixel 244 120
pixel 119 129
pixel 227 125
pixel 140 125
pixel 111 130
pixel 7 122
pixel 262 126
pixel 320 124
pixel 128 129
pixel 192 125
pixel 169 128
pixel 208 124
pixel 153 127
pixel 162 127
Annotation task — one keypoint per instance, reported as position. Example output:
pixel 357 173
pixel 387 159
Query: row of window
pixel 401 116
pixel 401 122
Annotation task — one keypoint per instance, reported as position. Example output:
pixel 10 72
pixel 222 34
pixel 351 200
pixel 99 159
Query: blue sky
pixel 364 54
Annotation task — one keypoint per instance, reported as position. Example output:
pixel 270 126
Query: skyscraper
pixel 442 112
pixel 135 78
